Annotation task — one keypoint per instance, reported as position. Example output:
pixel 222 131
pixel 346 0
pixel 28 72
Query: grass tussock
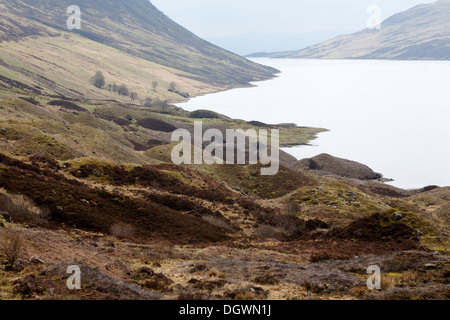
pixel 123 230
pixel 11 245
pixel 22 209
pixel 267 232
pixel 218 222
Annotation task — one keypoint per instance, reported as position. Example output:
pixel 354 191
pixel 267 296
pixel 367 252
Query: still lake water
pixel 393 116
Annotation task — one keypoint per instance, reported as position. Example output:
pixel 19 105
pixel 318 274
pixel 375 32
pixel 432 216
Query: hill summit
pixel 420 33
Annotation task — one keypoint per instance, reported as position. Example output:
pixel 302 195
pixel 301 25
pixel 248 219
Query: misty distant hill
pixel 422 32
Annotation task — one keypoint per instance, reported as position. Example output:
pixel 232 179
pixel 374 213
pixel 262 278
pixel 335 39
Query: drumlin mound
pixel 377 229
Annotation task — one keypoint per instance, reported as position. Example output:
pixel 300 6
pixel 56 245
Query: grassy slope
pixel 232 261
pixel 138 28
pixel 180 218
pixel 64 65
pixel 102 129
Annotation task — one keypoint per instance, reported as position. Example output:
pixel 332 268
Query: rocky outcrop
pixel 325 164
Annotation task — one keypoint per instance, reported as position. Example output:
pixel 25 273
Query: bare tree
pixel 134 96
pixel 155 85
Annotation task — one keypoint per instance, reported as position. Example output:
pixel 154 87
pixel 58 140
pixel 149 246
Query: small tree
pixel 134 96
pixel 123 90
pixel 155 85
pixel 165 105
pixel 172 86
pixel 99 80
pixel 148 102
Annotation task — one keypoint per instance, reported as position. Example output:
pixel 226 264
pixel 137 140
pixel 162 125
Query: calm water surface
pixel 393 116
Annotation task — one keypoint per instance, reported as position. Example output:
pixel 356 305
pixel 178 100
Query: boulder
pixel 36 260
pixel 397 216
pixel 5 216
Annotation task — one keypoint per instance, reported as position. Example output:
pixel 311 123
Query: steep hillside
pixel 422 32
pixel 134 27
pixel 64 66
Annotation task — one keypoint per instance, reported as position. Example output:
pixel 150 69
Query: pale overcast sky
pixel 246 26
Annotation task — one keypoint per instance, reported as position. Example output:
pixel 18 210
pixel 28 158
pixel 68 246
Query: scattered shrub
pixel 267 279
pixel 30 100
pixel 358 292
pixel 121 122
pixel 66 104
pixel 162 252
pixel 248 293
pixel 218 222
pixel 134 96
pixel 204 114
pixel 199 268
pixel 44 160
pixel 212 273
pixel 267 232
pixel 98 80
pixel 11 245
pixel 289 224
pixel 318 257
pixel 158 282
pixel 292 207
pixel 148 103
pixel 123 90
pixel 122 230
pixel 23 209
pixel 156 124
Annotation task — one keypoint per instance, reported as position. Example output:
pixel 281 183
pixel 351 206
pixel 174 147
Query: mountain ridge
pixel 133 32
pixel 420 33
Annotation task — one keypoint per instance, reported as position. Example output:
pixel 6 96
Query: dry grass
pixel 358 292
pixel 212 273
pixel 267 232
pixel 122 230
pixel 292 207
pixel 245 296
pixel 218 222
pixel 11 245
pixel 23 209
pixel 409 278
